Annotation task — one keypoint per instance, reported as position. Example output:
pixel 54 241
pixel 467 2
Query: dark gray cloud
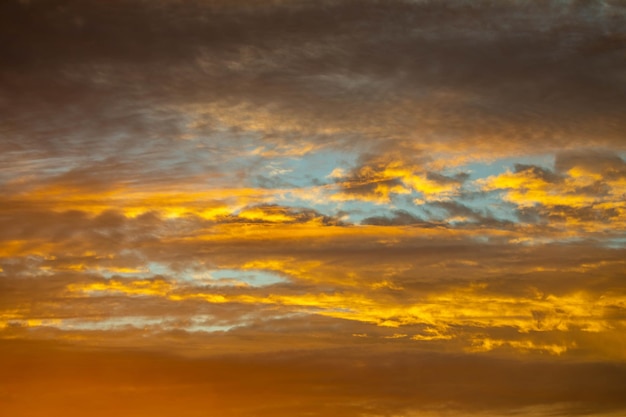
pixel 399 218
pixel 497 76
pixel 469 216
pixel 538 173
pixel 605 163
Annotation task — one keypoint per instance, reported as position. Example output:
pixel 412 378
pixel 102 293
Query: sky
pixel 355 208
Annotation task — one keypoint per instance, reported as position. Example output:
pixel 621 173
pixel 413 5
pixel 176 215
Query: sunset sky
pixel 326 208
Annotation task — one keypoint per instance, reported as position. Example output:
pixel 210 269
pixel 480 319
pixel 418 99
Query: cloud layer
pixel 354 208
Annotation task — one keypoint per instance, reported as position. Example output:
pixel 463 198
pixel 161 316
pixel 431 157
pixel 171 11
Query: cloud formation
pixel 336 207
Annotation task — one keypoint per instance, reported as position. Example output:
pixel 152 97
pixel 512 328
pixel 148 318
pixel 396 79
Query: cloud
pixel 591 162
pixel 89 70
pixel 273 213
pixel 381 277
pixel 380 178
pixel 584 193
pixel 429 194
pixel 346 382
pixel 463 215
pixel 400 218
